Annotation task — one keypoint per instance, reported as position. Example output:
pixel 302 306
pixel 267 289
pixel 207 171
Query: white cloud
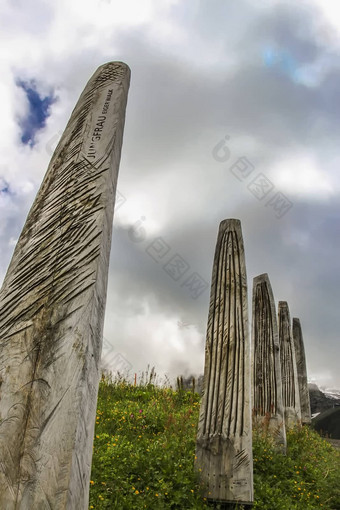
pixel 331 13
pixel 302 176
pixel 156 339
pixel 196 76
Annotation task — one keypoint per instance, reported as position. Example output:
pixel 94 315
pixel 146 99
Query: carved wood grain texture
pixel 52 306
pixel 301 372
pixel 224 442
pixel 268 410
pixel 290 389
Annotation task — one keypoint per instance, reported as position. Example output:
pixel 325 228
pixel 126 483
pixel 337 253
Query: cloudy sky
pixel 233 112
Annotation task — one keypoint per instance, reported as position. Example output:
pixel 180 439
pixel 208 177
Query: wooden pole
pixel 290 388
pixel 224 439
pixel 301 372
pixel 268 410
pixel 52 307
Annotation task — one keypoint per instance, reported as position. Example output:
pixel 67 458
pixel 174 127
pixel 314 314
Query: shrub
pixel 144 452
pixel 307 477
pixel 144 448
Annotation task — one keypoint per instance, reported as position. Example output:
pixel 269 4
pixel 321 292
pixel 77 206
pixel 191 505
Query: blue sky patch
pixel 281 60
pixel 39 110
pixel 4 187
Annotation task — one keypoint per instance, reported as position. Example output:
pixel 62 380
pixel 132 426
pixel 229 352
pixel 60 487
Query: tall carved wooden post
pixel 268 410
pixel 52 307
pixel 301 372
pixel 224 439
pixel 290 388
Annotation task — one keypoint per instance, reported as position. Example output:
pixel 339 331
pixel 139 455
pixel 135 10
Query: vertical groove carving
pixel 224 431
pixel 52 306
pixel 267 382
pixel 290 390
pixel 301 372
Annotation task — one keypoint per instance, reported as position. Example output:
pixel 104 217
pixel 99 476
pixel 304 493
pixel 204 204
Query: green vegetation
pixel 307 477
pixel 144 451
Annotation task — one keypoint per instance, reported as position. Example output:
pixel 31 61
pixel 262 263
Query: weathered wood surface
pixel 268 410
pixel 290 387
pixel 52 308
pixel 306 417
pixel 224 439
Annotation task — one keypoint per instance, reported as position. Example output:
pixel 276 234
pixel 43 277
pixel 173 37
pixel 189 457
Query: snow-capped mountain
pixel 320 400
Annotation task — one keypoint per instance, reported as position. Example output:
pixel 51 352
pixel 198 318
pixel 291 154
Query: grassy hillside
pixel 144 452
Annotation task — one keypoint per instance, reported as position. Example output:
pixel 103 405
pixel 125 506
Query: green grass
pixel 307 477
pixel 144 452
